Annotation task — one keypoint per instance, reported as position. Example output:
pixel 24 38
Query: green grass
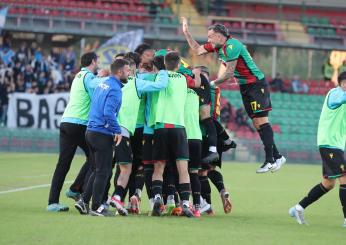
pixel 260 214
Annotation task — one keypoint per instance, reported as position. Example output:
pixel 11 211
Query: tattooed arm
pixel 227 73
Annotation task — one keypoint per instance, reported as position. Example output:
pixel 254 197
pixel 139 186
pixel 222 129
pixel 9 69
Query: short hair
pixel 142 48
pixel 118 65
pixel 159 62
pixel 119 55
pixel 341 77
pixel 203 69
pixel 219 28
pixel 132 57
pixel 87 59
pixel 172 60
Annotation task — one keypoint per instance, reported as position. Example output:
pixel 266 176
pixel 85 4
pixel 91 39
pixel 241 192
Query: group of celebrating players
pixel 155 120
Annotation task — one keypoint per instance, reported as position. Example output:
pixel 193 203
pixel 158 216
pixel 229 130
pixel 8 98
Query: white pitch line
pixel 30 188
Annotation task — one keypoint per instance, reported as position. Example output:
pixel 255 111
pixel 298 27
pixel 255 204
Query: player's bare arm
pixel 227 73
pixel 196 48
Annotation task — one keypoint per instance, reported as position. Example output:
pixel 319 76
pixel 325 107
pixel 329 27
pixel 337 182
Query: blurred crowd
pixel 30 70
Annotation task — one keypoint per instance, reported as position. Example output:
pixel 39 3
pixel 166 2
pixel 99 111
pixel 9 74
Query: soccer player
pixel 128 113
pixel 72 132
pixel 103 130
pixel 209 169
pixel 170 140
pixel 331 139
pixel 237 62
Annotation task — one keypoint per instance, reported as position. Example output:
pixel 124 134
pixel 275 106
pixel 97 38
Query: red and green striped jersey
pixel 246 70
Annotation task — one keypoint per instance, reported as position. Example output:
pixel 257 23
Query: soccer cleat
pixel 101 212
pixel 226 147
pixel 266 167
pixel 81 206
pixel 211 157
pixel 73 195
pixel 177 211
pixel 135 202
pixel 186 211
pixel 226 202
pixel 196 211
pixel 170 206
pixel 57 207
pixel 279 162
pixel 298 215
pixel 119 205
pixel 158 206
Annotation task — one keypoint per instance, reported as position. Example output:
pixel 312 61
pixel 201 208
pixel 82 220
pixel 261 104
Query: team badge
pixel 262 89
pixel 143 142
pixel 258 105
pixel 342 168
pixel 128 143
pixel 152 142
pixel 331 155
pixel 230 46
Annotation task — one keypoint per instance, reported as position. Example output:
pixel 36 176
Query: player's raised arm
pixel 196 48
pixel 227 73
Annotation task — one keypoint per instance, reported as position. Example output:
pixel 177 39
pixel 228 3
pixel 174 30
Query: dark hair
pixel 172 60
pixel 118 65
pixel 142 48
pixel 87 59
pixel 132 57
pixel 341 77
pixel 159 62
pixel 119 54
pixel 218 28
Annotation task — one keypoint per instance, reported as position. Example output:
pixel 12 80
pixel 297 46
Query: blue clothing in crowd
pixel 105 105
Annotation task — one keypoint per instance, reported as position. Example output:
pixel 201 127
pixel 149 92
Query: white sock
pixel 117 197
pixel 299 208
pixel 212 148
pixel 138 192
pixel 186 203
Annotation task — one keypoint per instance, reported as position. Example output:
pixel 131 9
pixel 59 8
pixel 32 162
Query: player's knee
pixel 342 180
pixel 328 183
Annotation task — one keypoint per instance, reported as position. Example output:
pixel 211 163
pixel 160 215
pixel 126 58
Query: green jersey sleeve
pixel 233 49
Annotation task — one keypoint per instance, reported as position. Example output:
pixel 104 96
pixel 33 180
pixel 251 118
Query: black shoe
pixel 226 147
pixel 186 211
pixel 101 212
pixel 157 207
pixel 212 157
pixel 81 206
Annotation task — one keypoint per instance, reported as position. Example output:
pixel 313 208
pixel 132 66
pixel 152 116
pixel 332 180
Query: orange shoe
pixel 226 201
pixel 177 211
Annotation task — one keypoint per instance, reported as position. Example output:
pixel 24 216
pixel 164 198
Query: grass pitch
pixel 259 216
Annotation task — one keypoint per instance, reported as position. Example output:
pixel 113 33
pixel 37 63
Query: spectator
pixel 277 84
pixel 6 87
pixel 328 71
pixel 153 9
pixel 298 86
pixel 20 84
pixel 241 119
pixel 49 89
pixel 342 67
pixel 226 113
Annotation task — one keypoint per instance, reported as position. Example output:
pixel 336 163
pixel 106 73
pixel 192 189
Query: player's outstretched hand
pixel 117 139
pixel 184 24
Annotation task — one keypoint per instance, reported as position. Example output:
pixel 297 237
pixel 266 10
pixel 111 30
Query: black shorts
pixel 204 92
pixel 147 148
pixel 256 98
pixel 170 144
pixel 205 151
pixel 334 164
pixel 136 146
pixel 195 151
pixel 123 152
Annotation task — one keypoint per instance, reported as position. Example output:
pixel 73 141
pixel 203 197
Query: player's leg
pixel 195 152
pixel 103 162
pixel 147 154
pixel 160 156
pixel 211 134
pixel 124 159
pixel 227 143
pixel 331 169
pixel 342 196
pixel 68 146
pixel 179 146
